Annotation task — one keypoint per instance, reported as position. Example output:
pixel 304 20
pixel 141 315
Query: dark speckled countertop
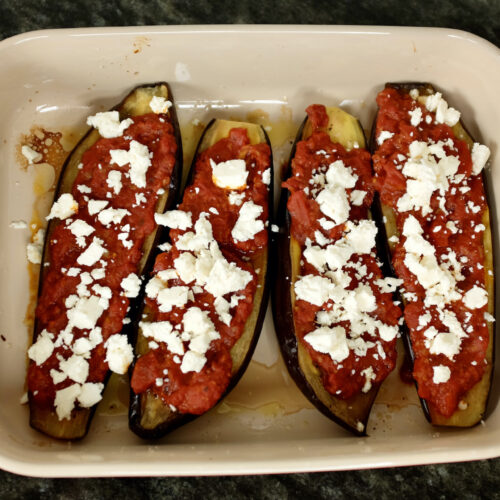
pixel 461 480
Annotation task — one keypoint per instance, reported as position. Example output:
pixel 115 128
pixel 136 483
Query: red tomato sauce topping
pixel 159 370
pixel 313 155
pixel 456 228
pixel 155 132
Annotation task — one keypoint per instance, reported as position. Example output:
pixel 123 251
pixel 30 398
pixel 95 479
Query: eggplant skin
pixel 351 414
pixel 45 420
pixel 478 396
pixel 149 417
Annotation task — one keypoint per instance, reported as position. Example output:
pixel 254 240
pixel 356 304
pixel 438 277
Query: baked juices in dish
pixel 334 314
pixel 207 296
pixel 100 241
pixel 429 172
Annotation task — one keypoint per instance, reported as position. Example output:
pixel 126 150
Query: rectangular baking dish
pixel 54 79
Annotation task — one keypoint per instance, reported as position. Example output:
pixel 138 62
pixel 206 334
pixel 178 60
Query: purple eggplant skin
pixel 160 419
pixel 351 414
pixel 46 421
pixel 477 398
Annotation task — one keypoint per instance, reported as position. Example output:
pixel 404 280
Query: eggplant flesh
pixel 149 416
pixel 352 413
pixel 476 398
pixel 136 103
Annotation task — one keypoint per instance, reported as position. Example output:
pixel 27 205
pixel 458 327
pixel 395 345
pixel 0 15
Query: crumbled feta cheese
pixel 333 203
pixel 119 353
pixel 64 207
pixel 162 331
pixel 266 176
pixel 159 104
pixel 369 377
pixel 85 313
pixel 231 174
pixel 444 114
pixel 175 219
pixel 108 124
pixel 95 206
pixel 475 298
pixel 30 154
pixel 248 225
pixel 480 155
pixel 42 349
pixel 383 136
pixel 331 341
pixel 114 181
pixel 131 285
pixel 416 116
pixel 92 254
pixel 236 198
pixel 441 374
pixel 75 368
pixel 357 197
pixel 64 401
pixel 112 216
pixel 79 228
pixel 176 296
pixel 138 157
pixel 90 394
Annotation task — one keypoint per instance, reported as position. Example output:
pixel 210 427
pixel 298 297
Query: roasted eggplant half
pixel 151 416
pixel 351 411
pixel 137 105
pixel 471 405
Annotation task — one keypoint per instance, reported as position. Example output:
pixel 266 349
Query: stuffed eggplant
pixel 100 241
pixel 333 311
pixel 429 172
pixel 206 300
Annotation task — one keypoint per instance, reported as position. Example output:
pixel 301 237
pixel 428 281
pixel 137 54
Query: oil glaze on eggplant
pixel 136 103
pixel 149 416
pixel 477 397
pixel 351 413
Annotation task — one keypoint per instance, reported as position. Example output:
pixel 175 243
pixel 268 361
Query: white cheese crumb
pixel 231 174
pixel 248 225
pixel 92 254
pixel 159 104
pixel 138 157
pixel 119 353
pixel 42 349
pixel 114 181
pixel 266 176
pixel 64 207
pixel 90 394
pixel 331 341
pixel 64 401
pixel 441 374
pixel 383 136
pixel 236 198
pixel 31 155
pixel 108 124
pixel 95 206
pixel 175 219
pixel 416 116
pixel 131 285
pixel 480 154
pixel 475 298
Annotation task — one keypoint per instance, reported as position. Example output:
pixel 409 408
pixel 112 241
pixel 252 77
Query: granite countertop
pixel 467 480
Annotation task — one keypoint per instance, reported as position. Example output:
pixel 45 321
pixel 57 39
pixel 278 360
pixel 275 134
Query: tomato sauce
pixel 196 392
pixel 157 134
pixel 342 379
pixel 468 365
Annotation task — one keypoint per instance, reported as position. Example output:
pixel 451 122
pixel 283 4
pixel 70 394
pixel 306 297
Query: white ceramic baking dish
pixel 56 78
